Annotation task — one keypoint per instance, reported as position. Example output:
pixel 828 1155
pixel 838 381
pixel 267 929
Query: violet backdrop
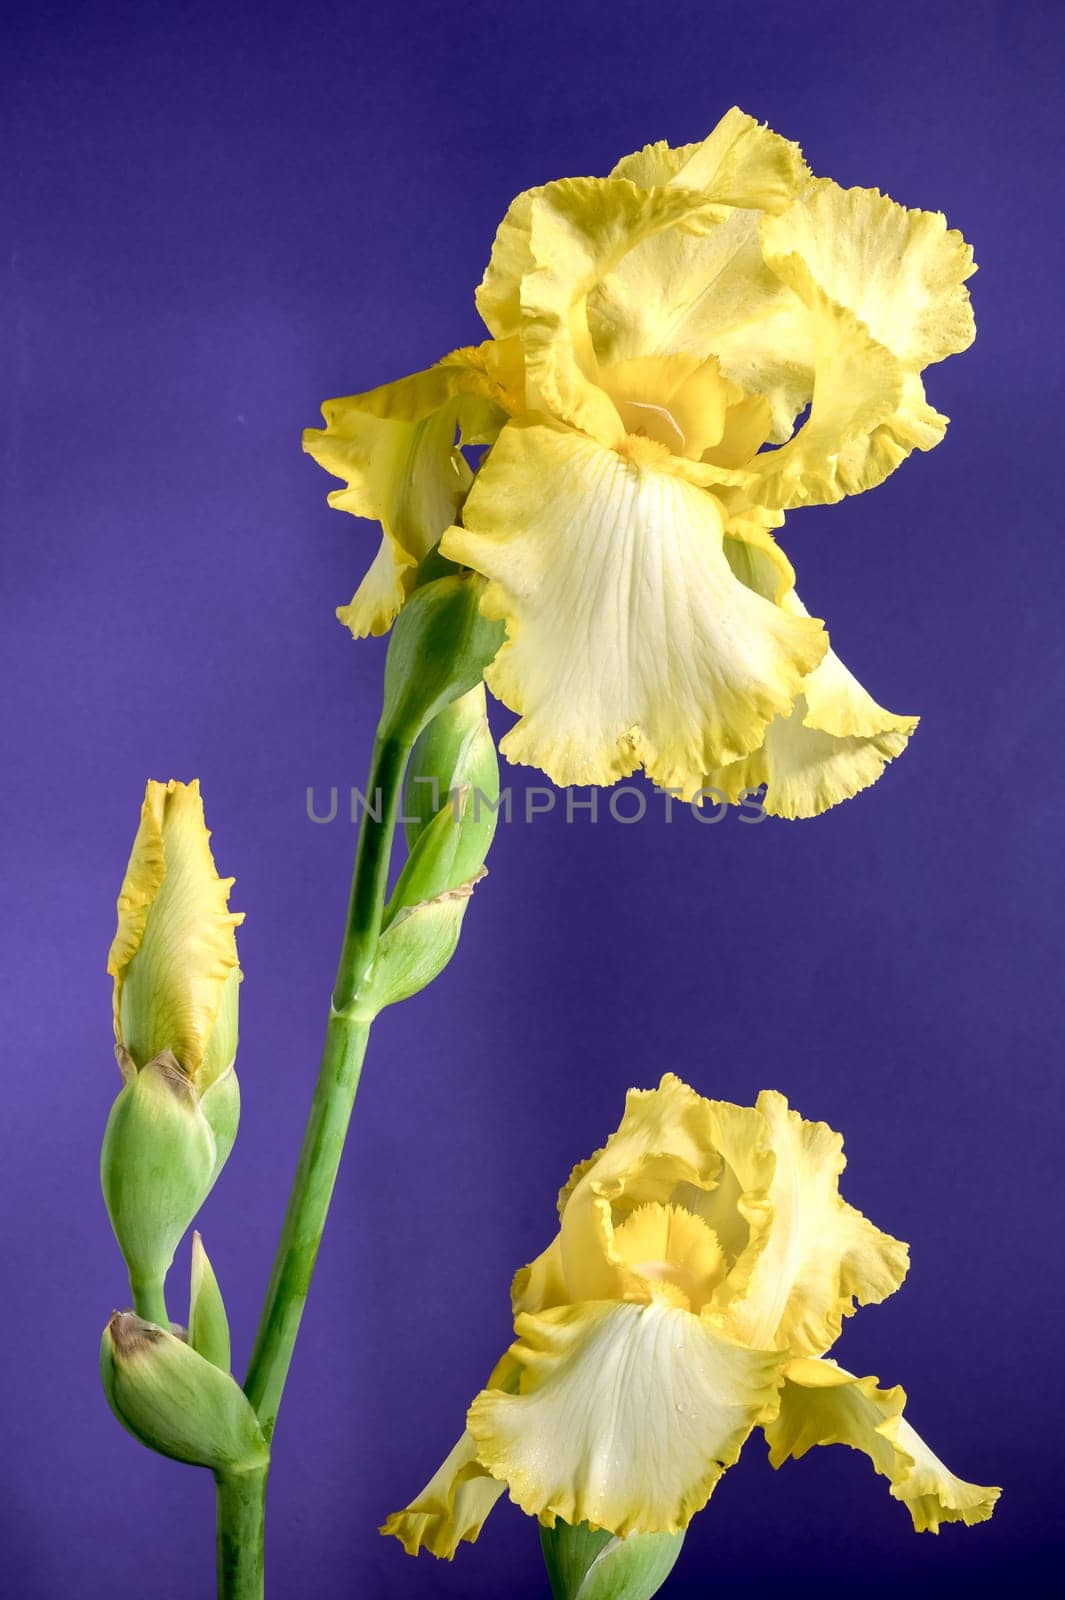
pixel 216 218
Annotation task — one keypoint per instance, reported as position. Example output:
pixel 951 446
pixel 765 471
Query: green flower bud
pixel 587 1564
pixel 453 755
pixel 415 947
pixel 157 1166
pixel 208 1324
pixel 439 649
pixel 175 1401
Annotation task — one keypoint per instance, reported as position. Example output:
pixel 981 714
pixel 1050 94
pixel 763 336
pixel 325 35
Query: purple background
pixel 218 219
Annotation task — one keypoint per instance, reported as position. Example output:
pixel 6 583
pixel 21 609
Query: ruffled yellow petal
pixel 835 742
pixel 174 948
pixel 396 449
pixel 626 1417
pixel 630 640
pixel 542 1283
pixel 663 1144
pixel 822 1404
pixel 902 273
pixel 452 1506
pixel 580 229
pixel 818 1255
pixel 884 291
pixel 740 163
pixel 458 1497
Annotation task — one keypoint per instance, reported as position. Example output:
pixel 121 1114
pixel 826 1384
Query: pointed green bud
pixel 439 861
pixel 439 649
pixel 587 1564
pixel 208 1331
pixel 455 752
pixel 157 1165
pixel 415 947
pixel 175 1401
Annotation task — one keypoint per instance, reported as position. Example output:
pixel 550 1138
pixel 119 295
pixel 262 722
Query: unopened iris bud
pixel 451 801
pixel 587 1564
pixel 439 649
pixel 455 752
pixel 175 1401
pixel 176 978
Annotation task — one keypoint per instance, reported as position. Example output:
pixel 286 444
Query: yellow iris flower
pixel 656 337
pixel 703 1267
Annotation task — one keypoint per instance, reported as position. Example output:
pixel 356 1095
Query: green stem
pixel 334 1094
pixel 369 878
pixel 149 1302
pixel 241 1502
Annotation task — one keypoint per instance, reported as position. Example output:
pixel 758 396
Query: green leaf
pixel 208 1324
pixel 592 1564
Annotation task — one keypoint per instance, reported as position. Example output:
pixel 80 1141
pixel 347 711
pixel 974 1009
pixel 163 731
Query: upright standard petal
pixel 819 1255
pixel 174 954
pixel 820 1403
pixel 460 1494
pixel 580 230
pixel 627 1415
pixel 740 163
pixel 884 290
pixel 836 740
pixel 649 280
pixel 663 1143
pixel 630 640
pixel 396 448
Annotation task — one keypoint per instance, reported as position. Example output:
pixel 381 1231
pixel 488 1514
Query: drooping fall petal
pixel 820 1403
pixel 460 1494
pixel 626 1417
pixel 630 640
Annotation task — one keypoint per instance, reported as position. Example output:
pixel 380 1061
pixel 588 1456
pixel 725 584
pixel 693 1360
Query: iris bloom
pixel 702 1270
pixel 657 336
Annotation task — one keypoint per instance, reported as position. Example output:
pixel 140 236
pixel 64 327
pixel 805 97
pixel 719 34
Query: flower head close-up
pixel 682 352
pixel 703 1267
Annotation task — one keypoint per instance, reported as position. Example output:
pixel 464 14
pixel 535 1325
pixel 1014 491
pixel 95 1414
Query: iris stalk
pixel 241 1504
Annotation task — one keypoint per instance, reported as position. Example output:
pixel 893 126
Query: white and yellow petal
pixel 174 955
pixel 884 291
pixel 835 741
pixel 630 640
pixel 818 1255
pixel 626 1417
pixel 458 1497
pixel 396 449
pixel 820 1403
